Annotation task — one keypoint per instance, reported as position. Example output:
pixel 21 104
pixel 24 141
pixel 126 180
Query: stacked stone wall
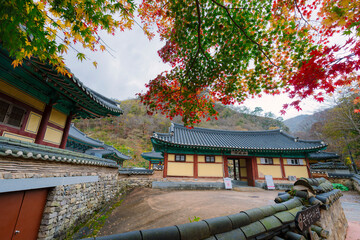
pixel 334 221
pixel 67 205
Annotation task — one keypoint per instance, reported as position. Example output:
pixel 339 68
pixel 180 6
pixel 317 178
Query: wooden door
pixel 21 214
pixel 10 204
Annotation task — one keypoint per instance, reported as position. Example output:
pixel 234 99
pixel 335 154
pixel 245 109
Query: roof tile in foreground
pixel 245 140
pixel 15 148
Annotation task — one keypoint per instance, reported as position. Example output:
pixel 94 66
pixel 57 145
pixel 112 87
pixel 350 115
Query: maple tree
pixel 219 50
pixel 46 29
pixel 229 51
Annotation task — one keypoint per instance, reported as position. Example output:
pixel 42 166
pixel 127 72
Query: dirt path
pixel 351 205
pixel 153 208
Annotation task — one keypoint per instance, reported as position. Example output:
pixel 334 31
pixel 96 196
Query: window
pixel 11 114
pixel 210 159
pixel 266 161
pixel 180 158
pixel 291 161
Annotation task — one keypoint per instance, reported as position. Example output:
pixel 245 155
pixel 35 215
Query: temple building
pixel 156 159
pixel 241 155
pixel 80 142
pixel 37 105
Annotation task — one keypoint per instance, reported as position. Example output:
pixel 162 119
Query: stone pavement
pixel 351 205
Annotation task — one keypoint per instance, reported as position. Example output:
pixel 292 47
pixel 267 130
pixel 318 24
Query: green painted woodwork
pixel 43 82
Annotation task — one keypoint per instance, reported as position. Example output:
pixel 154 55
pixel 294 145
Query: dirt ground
pixel 153 208
pixel 351 205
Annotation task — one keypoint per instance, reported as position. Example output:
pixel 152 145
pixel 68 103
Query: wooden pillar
pixel 165 164
pixel 195 166
pixel 66 131
pixel 43 124
pixel 282 167
pixel 308 167
pixel 226 169
pixel 149 164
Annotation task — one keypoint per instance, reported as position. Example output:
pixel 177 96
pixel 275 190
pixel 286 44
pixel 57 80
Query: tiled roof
pixel 80 137
pixel 152 155
pixel 268 222
pixel 136 171
pixel 15 148
pixel 243 140
pixel 43 81
pixel 109 150
pixel 323 155
pixel 329 165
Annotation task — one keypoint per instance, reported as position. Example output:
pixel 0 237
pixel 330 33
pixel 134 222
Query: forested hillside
pixel 338 126
pixel 131 132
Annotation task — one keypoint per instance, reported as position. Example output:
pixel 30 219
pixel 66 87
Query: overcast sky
pixel 136 61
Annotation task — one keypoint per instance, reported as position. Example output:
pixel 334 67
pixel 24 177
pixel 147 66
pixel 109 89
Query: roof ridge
pixel 224 130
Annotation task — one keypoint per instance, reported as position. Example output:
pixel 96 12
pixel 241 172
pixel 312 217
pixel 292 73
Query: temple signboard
pixel 304 219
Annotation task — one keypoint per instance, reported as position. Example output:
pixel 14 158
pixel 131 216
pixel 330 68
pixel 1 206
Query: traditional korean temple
pixel 156 159
pixel 241 155
pixel 80 142
pixel 37 105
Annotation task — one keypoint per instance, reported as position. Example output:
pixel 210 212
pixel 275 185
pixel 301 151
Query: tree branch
pixel 245 34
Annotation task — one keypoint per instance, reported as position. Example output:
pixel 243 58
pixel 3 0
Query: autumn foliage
pixel 228 51
pixel 219 50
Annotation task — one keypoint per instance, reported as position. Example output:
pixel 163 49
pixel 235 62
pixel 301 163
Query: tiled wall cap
pixel 282 198
pixel 255 214
pixel 234 234
pixel 164 233
pixel 277 238
pixel 271 223
pixel 219 225
pixel 253 229
pixel 194 231
pixel 294 211
pixel 268 210
pixel 279 207
pixel 239 220
pixel 292 203
pixel 285 217
pixel 294 236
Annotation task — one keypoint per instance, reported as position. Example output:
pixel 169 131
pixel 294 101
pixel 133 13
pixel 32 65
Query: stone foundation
pixel 334 221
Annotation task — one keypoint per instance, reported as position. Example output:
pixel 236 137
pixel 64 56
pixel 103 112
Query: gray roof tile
pixel 271 223
pixel 253 229
pixel 246 140
pixel 194 230
pixel 219 225
pixel 235 234
pixel 285 217
pixel 164 233
pixel 16 148
pixel 239 219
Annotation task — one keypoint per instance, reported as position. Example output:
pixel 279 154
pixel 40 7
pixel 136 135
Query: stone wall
pixel 70 205
pixel 334 221
pixel 67 205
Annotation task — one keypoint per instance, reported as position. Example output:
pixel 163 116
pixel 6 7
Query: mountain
pixel 130 133
pixel 297 123
pixel 303 123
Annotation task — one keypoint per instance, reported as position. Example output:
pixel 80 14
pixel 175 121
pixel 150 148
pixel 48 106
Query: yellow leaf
pixel 95 64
